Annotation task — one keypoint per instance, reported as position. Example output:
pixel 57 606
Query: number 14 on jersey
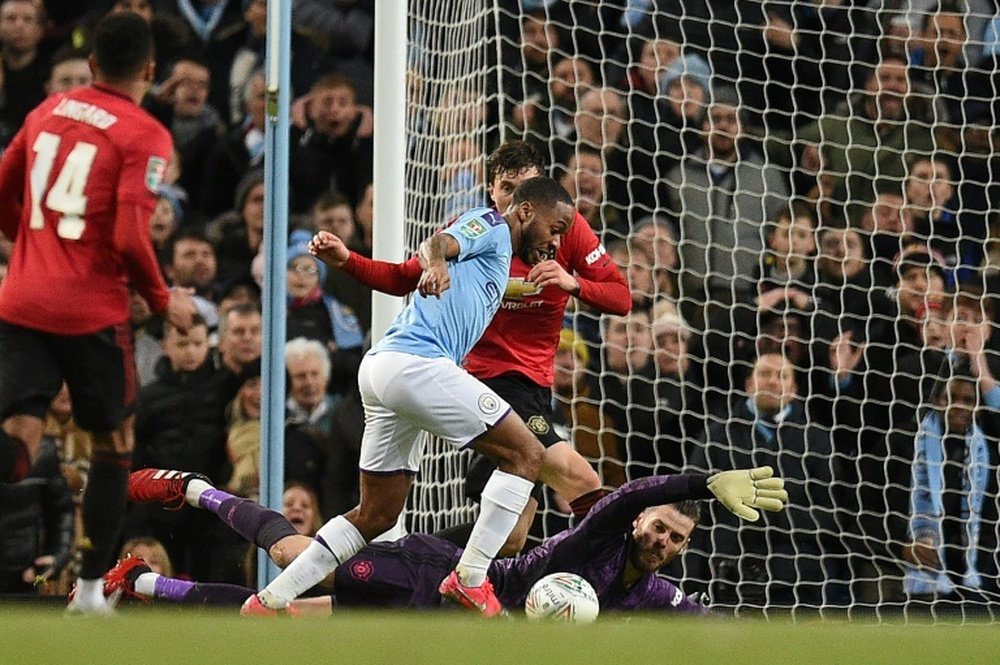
pixel 66 195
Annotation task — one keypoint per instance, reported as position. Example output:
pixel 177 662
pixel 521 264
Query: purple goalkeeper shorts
pixel 403 573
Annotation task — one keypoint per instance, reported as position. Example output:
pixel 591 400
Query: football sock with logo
pixel 504 497
pixel 104 503
pixel 335 542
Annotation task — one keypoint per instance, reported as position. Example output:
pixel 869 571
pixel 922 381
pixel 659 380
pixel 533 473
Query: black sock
pixel 217 594
pixel 261 526
pixel 103 511
pixel 15 462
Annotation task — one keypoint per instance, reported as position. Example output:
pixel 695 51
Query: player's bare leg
pixel 567 472
pixel 382 500
pixel 104 502
pixel 20 441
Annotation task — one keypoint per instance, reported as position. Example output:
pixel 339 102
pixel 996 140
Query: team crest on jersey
pixel 518 288
pixel 362 570
pixel 156 170
pixel 538 425
pixel 472 228
pixel 489 404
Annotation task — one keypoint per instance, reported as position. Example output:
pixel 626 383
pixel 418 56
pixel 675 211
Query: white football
pixel 562 597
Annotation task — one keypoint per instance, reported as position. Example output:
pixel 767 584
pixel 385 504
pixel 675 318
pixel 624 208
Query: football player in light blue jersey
pixel 449 325
pixel 412 382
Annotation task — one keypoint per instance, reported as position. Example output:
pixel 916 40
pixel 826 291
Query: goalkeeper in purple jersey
pixel 618 547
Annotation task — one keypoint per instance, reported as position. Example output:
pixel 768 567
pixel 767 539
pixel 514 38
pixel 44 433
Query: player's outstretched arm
pixel 745 491
pixel 396 279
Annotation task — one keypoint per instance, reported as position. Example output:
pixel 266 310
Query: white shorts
pixel 404 395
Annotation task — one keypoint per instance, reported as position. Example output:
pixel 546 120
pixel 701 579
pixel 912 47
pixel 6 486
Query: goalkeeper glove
pixel 743 490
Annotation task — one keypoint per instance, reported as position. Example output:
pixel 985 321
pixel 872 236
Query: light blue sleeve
pixel 475 236
pixel 922 521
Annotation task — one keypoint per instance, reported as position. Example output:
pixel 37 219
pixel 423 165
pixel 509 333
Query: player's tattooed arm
pixel 434 254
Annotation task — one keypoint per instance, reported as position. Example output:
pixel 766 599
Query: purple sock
pixel 171 589
pixel 212 499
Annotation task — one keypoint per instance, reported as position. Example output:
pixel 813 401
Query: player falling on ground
pixel 516 355
pixel 618 547
pixel 411 381
pixel 77 189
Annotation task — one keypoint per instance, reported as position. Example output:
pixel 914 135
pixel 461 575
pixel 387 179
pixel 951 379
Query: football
pixel 562 597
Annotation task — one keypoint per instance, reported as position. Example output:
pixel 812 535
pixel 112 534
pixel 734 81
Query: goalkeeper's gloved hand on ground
pixel 744 490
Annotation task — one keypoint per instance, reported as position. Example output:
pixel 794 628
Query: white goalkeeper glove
pixel 743 490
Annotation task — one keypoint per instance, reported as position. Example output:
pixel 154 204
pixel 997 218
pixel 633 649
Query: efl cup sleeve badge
pixel 489 404
pixel 156 170
pixel 472 228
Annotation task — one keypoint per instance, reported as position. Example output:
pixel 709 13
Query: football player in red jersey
pixel 77 188
pixel 516 355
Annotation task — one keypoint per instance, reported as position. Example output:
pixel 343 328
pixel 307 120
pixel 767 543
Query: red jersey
pixel 524 335
pixel 77 189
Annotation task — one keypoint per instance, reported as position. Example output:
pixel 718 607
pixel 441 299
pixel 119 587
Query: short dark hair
pixel 944 7
pixel 194 56
pixel 973 297
pixel 68 52
pixel 542 190
pixel 123 45
pixel 513 156
pixel 242 309
pixel 196 321
pixel 794 210
pixel 689 508
pixel 186 234
pixel 332 81
pixel 332 198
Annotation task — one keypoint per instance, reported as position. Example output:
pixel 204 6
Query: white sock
pixel 90 593
pixel 145 584
pixel 503 499
pixel 336 541
pixel 194 489
pixel 90 599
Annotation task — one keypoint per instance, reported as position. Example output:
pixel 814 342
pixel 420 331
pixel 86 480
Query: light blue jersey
pixel 450 326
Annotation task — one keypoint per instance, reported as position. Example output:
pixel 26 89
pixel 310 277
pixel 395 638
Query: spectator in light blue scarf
pixel 950 475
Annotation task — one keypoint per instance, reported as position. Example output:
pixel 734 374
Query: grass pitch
pixel 41 635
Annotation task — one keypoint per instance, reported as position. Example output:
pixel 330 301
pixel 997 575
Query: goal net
pixel 801 197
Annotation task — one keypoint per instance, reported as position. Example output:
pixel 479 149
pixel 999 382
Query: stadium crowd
pixel 806 222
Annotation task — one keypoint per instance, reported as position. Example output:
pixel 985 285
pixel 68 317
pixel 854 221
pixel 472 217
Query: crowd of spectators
pixel 800 196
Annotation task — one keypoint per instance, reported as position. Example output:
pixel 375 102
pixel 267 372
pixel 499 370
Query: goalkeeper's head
pixel 661 533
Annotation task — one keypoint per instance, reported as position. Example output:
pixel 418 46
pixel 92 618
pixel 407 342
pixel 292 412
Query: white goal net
pixel 801 196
